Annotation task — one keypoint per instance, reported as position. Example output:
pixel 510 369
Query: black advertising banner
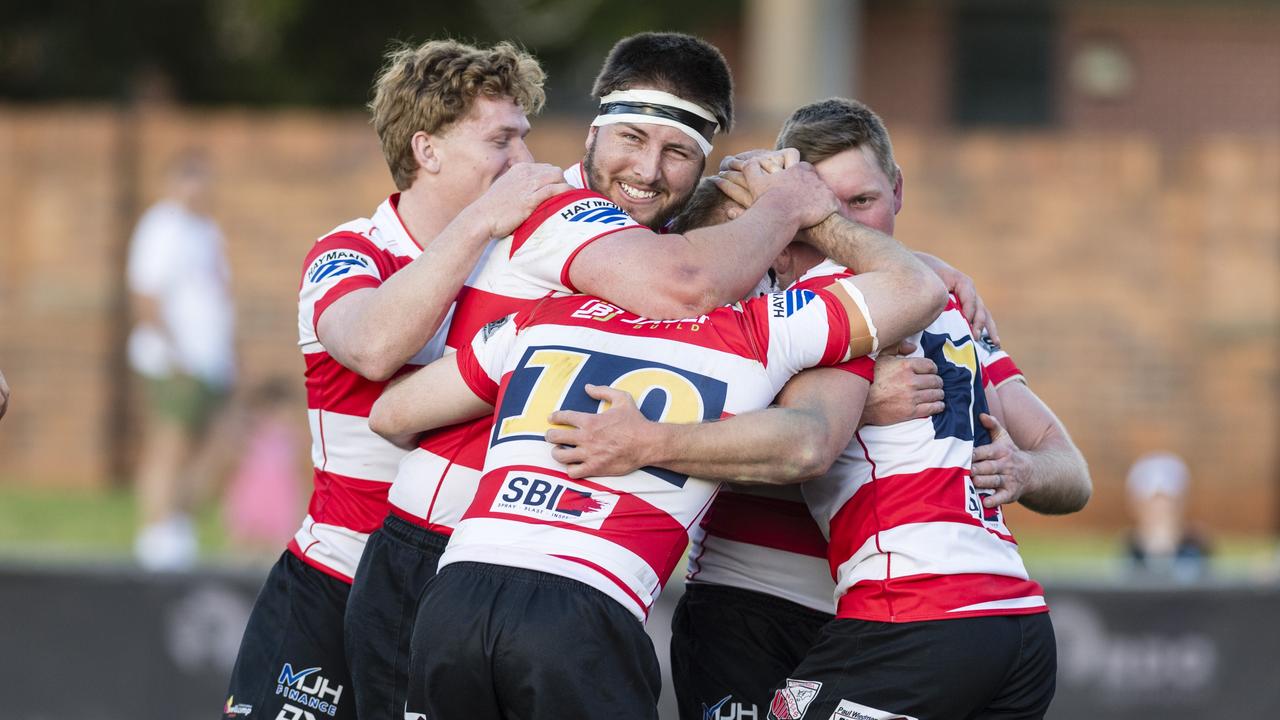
pixel 113 643
pixel 1170 653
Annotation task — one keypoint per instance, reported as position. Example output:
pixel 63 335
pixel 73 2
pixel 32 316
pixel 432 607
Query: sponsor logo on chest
pixel 602 311
pixel 553 499
pixel 595 210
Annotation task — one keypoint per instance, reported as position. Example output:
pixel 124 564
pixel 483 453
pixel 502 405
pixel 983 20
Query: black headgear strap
pixel 700 125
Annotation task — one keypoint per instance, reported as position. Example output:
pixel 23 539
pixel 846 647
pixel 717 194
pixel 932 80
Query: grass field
pixel 77 524
pixel 38 524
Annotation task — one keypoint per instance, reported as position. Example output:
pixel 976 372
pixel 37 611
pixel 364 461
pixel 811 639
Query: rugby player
pixel 538 608
pixel 756 586
pixel 452 120
pixel 663 97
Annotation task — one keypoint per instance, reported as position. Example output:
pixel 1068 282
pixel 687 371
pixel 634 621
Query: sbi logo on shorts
pixel 309 689
pixel 552 499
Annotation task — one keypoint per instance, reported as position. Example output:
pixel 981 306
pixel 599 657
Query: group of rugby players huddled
pixel 531 388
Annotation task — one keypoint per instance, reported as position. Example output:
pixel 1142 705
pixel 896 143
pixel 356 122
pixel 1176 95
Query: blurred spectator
pixel 182 345
pixel 1161 544
pixel 263 503
pixel 4 395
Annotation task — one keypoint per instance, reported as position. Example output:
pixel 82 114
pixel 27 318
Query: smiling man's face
pixel 648 170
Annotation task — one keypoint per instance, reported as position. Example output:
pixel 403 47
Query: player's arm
pixel 902 294
pixel 815 416
pixel 905 388
pixel 1034 462
pixel 796 439
pixel 975 311
pixel 432 396
pixel 374 331
pixel 956 282
pixel 671 276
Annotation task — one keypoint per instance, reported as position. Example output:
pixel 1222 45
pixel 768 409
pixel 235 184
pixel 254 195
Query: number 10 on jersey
pixel 551 378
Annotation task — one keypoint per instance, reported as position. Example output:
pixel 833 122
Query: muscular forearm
pixel 1060 479
pixel 903 294
pixel 773 446
pixel 795 440
pixel 429 397
pixel 732 257
pixel 816 415
pixel 374 332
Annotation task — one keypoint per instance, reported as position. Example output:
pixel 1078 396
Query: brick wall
pixel 1134 280
pixel 1195 66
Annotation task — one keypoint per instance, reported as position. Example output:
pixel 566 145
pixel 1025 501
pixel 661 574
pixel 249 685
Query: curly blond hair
pixel 429 87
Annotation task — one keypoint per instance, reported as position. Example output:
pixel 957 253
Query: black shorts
pixel 494 642
pixel 976 668
pixel 291 665
pixel 730 647
pixel 397 562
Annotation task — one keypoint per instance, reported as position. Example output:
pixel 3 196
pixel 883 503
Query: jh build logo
pixel 308 689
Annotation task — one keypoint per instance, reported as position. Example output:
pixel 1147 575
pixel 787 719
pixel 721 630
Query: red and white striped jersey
pixel 353 466
pixel 762 537
pixel 437 480
pixel 624 535
pixel 909 539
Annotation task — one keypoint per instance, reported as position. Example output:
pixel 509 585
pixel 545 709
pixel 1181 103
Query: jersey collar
pixel 576 176
pixel 387 220
pixel 822 269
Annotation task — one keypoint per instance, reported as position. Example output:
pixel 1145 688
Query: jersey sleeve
pixel 828 327
pixel 545 245
pixel 864 365
pixel 997 367
pixel 481 362
pixel 337 265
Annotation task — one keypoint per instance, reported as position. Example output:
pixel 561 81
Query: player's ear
pixel 424 152
pixel 591 138
pixel 783 263
pixel 897 190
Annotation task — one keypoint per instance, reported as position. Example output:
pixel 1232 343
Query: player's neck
pixel 424 213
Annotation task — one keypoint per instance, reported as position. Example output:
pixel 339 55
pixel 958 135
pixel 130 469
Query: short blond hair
pixel 429 87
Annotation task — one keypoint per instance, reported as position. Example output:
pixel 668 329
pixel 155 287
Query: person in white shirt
pixel 182 345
